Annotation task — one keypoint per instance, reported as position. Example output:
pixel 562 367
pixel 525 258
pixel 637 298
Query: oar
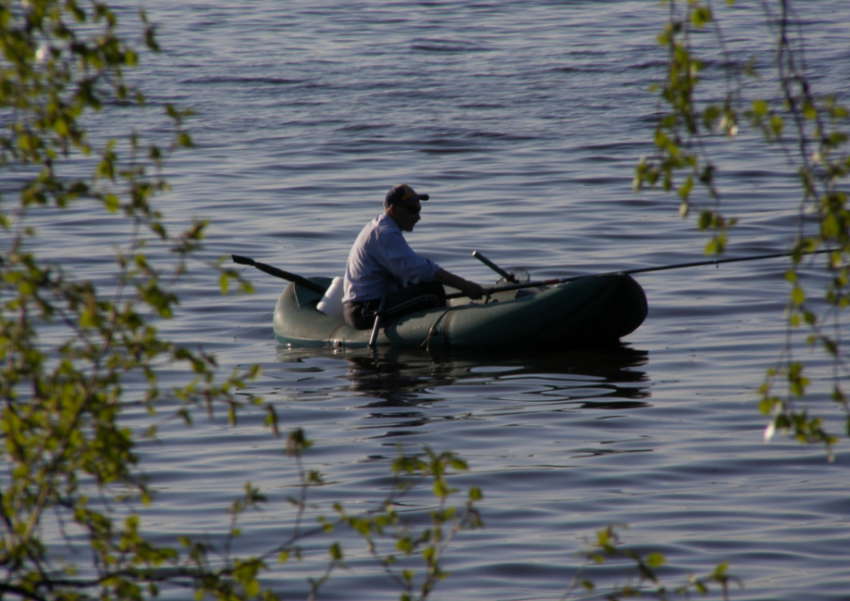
pixel 508 276
pixel 279 273
pixel 641 270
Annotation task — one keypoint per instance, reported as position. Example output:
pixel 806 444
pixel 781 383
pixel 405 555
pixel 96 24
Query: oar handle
pixel 373 339
pixel 508 276
pixel 279 273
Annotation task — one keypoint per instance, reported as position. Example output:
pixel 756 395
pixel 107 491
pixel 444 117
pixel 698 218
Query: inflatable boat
pixel 591 311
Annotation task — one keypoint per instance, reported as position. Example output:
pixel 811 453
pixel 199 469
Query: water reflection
pixel 394 379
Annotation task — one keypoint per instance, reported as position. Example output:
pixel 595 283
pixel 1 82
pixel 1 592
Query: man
pixel 382 264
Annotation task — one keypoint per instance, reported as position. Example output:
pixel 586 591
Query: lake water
pixel 523 121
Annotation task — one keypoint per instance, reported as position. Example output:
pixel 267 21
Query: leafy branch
pixel 810 131
pixel 644 581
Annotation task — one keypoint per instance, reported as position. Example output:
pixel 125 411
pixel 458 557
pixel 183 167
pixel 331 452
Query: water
pixel 523 121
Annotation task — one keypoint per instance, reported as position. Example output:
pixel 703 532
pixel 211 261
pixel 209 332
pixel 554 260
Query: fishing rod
pixel 551 282
pixel 310 285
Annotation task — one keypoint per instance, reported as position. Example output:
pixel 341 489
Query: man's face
pixel 407 215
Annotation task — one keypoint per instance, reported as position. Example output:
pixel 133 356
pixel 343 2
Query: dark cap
pixel 403 194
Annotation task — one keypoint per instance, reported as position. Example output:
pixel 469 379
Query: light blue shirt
pixel 382 260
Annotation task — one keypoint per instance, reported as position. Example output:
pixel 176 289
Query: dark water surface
pixel 523 121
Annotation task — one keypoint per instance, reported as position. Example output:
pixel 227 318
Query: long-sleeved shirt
pixel 381 260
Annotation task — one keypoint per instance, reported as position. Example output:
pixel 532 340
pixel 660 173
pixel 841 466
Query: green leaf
pixel 810 111
pixel 459 464
pixel 112 203
pixel 830 226
pixel 405 545
pixel 685 189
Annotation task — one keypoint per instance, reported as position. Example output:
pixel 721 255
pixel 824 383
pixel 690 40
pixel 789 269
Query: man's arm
pixel 470 289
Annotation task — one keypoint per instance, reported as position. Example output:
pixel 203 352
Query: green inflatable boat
pixel 591 311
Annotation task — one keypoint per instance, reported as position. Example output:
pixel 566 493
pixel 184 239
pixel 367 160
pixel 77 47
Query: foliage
pixel 608 547
pixel 810 132
pixel 69 349
pixel 389 536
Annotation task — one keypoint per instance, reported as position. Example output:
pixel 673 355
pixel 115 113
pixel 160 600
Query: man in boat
pixel 382 265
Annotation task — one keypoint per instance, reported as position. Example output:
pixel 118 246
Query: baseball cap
pixel 403 194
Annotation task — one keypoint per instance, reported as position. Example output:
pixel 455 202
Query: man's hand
pixel 470 289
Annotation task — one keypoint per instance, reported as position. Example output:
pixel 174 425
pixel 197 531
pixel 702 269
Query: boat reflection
pixel 387 378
